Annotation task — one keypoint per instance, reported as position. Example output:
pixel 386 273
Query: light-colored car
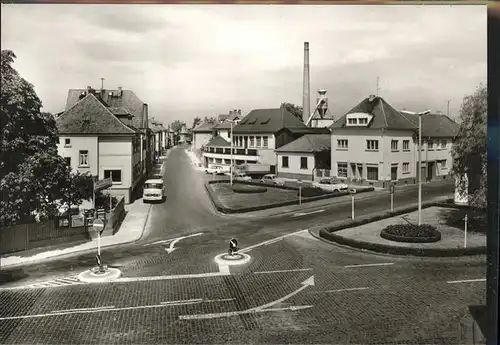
pixel 215 169
pixel 154 190
pixel 331 185
pixel 242 177
pixel 272 179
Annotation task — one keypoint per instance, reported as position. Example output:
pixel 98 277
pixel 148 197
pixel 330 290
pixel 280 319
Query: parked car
pixel 215 169
pixel 242 177
pixel 331 185
pixel 154 190
pixel 272 179
pixel 156 177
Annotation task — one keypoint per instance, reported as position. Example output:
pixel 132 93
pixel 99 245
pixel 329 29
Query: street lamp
pixel 232 140
pixel 419 159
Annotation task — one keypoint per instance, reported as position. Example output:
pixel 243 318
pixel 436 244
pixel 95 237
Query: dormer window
pixel 353 121
pixel 363 121
pixel 358 119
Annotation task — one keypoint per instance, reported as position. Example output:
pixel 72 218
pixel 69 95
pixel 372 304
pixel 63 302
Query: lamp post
pixel 419 159
pixel 232 140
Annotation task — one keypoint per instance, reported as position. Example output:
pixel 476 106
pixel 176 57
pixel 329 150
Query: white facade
pixel 200 140
pixel 110 156
pixel 295 165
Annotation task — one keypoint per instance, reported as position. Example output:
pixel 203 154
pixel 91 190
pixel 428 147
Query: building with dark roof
pixel 253 137
pixel 103 141
pixel 160 137
pixel 302 158
pixel 375 144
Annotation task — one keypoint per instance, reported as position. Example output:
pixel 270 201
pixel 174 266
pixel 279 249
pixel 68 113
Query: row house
pixel 253 138
pixel 160 137
pixel 103 141
pixel 375 144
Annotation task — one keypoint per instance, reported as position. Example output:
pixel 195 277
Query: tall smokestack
pixel 306 111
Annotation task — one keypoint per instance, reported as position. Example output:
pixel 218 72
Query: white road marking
pixel 306 283
pixel 292 308
pixel 283 271
pixel 157 242
pixel 341 290
pixel 370 265
pixel 171 248
pixel 82 309
pixel 224 269
pixel 467 281
pixel 180 276
pixel 307 213
pixel 247 249
pixel 219 300
pixel 183 302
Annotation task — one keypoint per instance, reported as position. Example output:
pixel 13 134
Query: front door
pixel 394 173
pixel 430 169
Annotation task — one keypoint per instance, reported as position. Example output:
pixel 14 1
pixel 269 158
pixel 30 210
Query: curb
pixel 228 210
pixel 328 234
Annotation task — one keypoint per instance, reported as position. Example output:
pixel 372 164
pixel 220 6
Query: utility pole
pixel 448 108
pixel 378 88
pixel 102 83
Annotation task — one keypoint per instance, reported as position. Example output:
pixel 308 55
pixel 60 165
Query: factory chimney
pixel 306 107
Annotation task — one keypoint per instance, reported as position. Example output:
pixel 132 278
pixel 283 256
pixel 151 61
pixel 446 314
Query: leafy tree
pixel 294 109
pixel 75 188
pixel 177 126
pixel 210 119
pixel 469 147
pixel 196 121
pixel 32 174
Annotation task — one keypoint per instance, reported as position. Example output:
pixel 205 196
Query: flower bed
pixel 411 233
pixel 244 188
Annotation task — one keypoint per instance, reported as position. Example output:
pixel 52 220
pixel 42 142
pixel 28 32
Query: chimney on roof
pixel 89 89
pixel 371 98
pixel 145 115
pixel 239 111
pixel 120 91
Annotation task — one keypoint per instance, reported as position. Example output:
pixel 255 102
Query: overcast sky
pixel 202 60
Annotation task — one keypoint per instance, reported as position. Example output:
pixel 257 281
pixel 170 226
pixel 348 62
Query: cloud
pixel 188 61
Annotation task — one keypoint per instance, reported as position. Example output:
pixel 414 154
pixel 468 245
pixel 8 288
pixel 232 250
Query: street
pixel 295 289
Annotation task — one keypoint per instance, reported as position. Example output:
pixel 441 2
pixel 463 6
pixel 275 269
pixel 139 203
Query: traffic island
pixel 365 233
pixel 235 259
pixel 99 275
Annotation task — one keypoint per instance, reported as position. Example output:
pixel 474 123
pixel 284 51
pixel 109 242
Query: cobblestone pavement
pixel 295 289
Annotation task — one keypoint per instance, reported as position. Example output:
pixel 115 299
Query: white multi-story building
pixel 376 144
pixel 101 140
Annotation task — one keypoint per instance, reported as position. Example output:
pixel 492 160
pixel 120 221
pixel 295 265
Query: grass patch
pixel 248 189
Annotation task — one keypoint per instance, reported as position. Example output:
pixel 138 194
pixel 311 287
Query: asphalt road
pixel 295 289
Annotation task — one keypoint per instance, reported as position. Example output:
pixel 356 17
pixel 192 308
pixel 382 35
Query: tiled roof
pixel 308 143
pixel 435 125
pixel 127 100
pixel 120 111
pixel 204 127
pixel 307 130
pixel 384 116
pixel 267 121
pixel 224 125
pixel 156 126
pixel 218 141
pixel 90 116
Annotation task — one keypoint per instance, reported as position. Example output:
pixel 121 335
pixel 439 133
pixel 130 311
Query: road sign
pixel 103 184
pixel 392 188
pixel 98 260
pixel 98 225
pixel 352 190
pixel 233 243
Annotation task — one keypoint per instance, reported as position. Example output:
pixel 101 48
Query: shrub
pixel 245 188
pixel 411 233
pixel 308 192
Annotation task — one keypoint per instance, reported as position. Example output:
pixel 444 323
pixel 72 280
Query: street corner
pixel 99 275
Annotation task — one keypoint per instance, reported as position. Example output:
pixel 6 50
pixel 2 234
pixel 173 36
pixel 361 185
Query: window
pixel 258 142
pixel 252 141
pixel 406 168
pixel 430 145
pixel 353 121
pixel 444 164
pixel 84 158
pixel 372 173
pixel 303 162
pixel 342 144
pixel 443 144
pixel 266 141
pixel 372 145
pixel 68 161
pixel 394 145
pixel 363 121
pixel 67 142
pixel 284 162
pixel 240 144
pixel 342 170
pixel 406 145
pixel 116 175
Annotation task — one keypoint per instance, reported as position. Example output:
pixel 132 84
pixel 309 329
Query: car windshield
pixel 153 186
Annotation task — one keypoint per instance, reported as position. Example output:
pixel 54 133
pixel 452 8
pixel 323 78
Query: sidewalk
pixel 130 231
pixel 195 160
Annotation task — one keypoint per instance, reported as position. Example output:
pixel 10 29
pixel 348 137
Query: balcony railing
pixel 227 151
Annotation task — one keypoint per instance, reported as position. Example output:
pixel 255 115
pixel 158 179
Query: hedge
pixel 241 188
pixel 228 210
pixel 411 233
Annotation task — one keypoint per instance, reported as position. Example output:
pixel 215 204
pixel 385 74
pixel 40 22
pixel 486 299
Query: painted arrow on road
pixel 306 213
pixel 171 248
pixel 263 308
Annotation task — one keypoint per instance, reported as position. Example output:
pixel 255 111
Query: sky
pixel 203 60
